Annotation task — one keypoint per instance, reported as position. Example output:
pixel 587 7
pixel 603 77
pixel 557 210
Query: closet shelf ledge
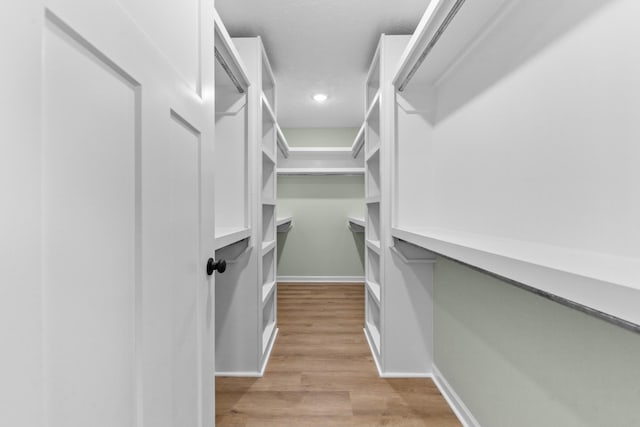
pixel 600 282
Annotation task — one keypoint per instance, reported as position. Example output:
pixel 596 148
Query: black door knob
pixel 220 266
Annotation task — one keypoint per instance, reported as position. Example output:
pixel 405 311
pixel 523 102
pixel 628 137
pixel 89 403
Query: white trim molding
pixel 455 402
pixel 238 374
pixel 374 353
pixel 406 375
pixel 268 353
pixel 321 279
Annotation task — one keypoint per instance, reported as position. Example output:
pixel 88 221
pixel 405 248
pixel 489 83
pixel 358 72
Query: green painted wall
pixel 517 359
pixel 320 244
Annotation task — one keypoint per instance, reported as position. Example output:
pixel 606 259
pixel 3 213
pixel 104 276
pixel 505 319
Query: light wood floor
pixel 321 372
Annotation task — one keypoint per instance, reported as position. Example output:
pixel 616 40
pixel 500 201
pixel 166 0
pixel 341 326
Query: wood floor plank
pixel 321 372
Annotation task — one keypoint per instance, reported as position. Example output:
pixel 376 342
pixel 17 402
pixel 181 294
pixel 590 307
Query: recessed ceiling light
pixel 320 97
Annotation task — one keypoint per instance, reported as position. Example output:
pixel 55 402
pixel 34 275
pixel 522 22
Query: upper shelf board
pixel 606 285
pixel 320 171
pixel 226 236
pixel 358 142
pixel 283 146
pixel 284 224
pixel 316 158
pixel 357 225
pixel 228 58
pixel 448 30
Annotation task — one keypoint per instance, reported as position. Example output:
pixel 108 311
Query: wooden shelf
pixel 226 236
pixel 601 282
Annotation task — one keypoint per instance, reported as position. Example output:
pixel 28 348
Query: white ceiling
pixel 320 46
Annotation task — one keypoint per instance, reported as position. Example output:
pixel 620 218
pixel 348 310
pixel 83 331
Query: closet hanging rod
pixel 227 70
pixel 434 40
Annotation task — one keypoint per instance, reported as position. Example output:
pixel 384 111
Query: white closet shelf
pixel 320 158
pixel 447 32
pixel 371 111
pixel 269 202
pixel 356 224
pixel 606 283
pixel 375 151
pixel 266 107
pixel 267 289
pixel 284 224
pixel 283 146
pixel 372 199
pixel 268 246
pixel 228 57
pixel 225 236
pixel 374 288
pixel 372 85
pixel 268 155
pixel 374 245
pixel 373 336
pixel 320 171
pixel 358 142
pixel 267 337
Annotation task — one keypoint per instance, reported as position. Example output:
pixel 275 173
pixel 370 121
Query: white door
pixel 107 140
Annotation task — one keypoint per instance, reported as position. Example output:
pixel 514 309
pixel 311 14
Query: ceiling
pixel 320 46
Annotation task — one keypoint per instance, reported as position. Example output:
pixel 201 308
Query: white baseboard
pixel 406 375
pixel 252 374
pixel 457 405
pixel 391 374
pixel 321 279
pixel 238 374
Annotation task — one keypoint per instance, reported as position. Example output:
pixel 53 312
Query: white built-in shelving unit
pixel 320 160
pixel 246 321
pixel 511 163
pixel 231 142
pixel 396 307
pixel 267 141
pixel 235 226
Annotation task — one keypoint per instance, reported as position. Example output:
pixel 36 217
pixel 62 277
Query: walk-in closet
pixel 320 213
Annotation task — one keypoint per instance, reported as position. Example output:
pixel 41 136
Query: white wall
pixel 535 133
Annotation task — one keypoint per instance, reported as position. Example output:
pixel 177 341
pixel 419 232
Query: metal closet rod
pixel 434 40
pixel 227 70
